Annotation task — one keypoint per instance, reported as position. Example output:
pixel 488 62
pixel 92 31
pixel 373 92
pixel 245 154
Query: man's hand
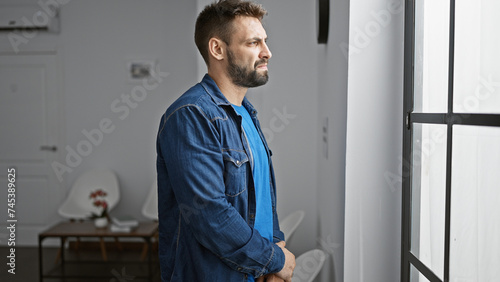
pixel 269 278
pixel 289 259
pixel 282 244
pixel 287 271
pixel 273 278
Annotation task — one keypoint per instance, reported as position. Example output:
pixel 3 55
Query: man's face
pixel 248 53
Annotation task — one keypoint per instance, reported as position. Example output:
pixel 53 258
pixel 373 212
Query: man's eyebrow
pixel 259 39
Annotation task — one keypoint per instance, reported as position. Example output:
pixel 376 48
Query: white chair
pixel 78 205
pixel 308 265
pixel 150 207
pixel 290 223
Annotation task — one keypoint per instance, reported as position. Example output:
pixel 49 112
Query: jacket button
pixel 252 216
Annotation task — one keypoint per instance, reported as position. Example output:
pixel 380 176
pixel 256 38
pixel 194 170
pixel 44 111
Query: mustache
pixel 260 62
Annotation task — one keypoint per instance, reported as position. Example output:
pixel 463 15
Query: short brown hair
pixel 216 21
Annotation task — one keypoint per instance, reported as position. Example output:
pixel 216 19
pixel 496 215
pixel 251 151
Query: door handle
pixel 48 148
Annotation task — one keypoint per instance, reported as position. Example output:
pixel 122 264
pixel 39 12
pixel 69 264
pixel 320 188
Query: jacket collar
pixel 213 90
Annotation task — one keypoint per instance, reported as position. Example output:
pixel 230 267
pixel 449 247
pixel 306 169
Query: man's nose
pixel 266 52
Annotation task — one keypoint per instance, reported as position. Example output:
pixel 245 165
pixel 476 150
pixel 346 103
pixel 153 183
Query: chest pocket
pixel 236 172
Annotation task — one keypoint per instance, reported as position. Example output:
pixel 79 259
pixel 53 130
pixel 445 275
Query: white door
pixel 29 130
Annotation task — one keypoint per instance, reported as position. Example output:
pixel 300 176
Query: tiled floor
pixel 27 267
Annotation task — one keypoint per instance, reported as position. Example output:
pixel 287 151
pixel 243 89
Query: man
pixel 216 187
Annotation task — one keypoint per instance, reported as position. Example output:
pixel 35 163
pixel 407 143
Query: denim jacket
pixel 206 193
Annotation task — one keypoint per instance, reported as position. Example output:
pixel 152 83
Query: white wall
pixel 332 104
pixel 96 41
pixel 360 81
pixel 374 134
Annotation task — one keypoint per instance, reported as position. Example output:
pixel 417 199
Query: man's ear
pixel 217 49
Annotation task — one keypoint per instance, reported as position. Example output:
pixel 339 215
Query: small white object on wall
pixel 138 70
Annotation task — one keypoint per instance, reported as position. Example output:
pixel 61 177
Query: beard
pixel 242 76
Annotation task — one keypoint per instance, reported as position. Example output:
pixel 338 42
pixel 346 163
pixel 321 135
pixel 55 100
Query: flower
pixel 98 193
pixel 98 198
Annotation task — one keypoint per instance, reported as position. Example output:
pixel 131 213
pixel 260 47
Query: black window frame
pixel 410 118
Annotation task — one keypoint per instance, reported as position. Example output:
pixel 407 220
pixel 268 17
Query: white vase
pixel 101 222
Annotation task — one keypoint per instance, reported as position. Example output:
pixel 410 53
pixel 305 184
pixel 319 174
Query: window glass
pixel 477 72
pixel 431 56
pixel 416 276
pixel 428 195
pixel 475 204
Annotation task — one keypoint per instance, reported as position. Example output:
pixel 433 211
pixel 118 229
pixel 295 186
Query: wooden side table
pixel 63 230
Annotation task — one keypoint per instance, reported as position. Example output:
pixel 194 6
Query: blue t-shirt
pixel 260 170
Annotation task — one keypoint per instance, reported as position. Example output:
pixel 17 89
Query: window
pixel 451 143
